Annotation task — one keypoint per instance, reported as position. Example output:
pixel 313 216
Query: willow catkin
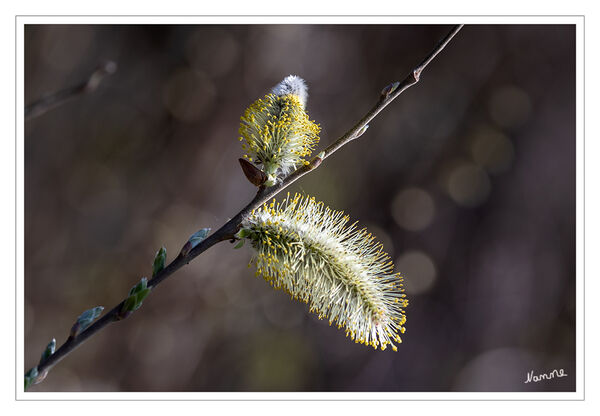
pixel 277 131
pixel 341 272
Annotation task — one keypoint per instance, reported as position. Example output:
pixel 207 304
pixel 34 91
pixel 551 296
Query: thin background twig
pixel 49 102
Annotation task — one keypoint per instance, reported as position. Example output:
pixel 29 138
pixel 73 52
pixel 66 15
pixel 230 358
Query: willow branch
pixel 44 104
pixel 230 228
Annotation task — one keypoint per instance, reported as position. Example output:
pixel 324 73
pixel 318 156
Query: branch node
pixel 417 74
pixel 360 132
pixel 317 161
pixel 108 68
pixel 389 89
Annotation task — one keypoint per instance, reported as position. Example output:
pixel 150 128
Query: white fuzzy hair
pixel 292 84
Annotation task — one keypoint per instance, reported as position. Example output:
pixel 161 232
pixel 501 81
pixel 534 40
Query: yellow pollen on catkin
pixel 312 253
pixel 278 133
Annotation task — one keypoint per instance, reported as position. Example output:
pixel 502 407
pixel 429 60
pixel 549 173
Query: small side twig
pixel 231 227
pixel 44 104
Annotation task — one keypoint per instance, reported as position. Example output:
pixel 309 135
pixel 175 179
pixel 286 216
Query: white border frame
pixel 20 21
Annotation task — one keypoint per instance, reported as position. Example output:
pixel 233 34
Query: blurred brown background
pixel 468 179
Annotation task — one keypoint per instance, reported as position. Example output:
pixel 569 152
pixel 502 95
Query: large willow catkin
pixel 341 272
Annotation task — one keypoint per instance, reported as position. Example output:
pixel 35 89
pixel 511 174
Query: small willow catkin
pixel 277 131
pixel 341 272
